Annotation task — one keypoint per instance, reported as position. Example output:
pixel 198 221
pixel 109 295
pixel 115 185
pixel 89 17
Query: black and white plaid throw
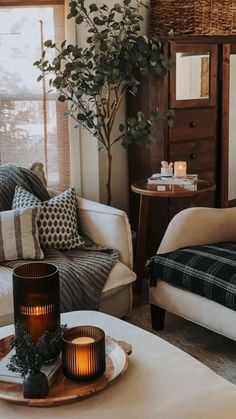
pixel 209 271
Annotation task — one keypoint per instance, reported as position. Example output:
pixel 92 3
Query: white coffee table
pixel 161 382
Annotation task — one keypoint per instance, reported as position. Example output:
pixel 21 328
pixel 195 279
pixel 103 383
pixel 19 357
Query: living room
pixel 117 208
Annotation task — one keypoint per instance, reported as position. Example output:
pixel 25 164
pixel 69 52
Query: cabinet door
pixel 228 137
pixel 193 82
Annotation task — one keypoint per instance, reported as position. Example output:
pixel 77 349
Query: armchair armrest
pixel 107 226
pixel 196 226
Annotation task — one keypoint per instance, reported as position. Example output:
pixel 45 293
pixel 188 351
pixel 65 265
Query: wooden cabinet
pixel 198 91
pixel 193 124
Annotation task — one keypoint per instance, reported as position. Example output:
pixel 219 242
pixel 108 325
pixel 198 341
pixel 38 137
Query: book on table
pixel 167 184
pixel 50 370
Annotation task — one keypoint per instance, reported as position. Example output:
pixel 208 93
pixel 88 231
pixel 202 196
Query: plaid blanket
pixel 209 271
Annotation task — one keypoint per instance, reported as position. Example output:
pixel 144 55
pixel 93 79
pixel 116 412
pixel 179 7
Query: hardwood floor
pixel 212 349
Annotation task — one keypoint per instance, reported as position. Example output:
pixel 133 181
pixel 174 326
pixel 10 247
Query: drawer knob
pixel 193 124
pixel 193 156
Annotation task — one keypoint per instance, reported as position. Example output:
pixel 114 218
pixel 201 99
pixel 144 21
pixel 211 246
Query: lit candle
pixel 83 340
pixel 180 168
pixel 37 319
pixel 83 352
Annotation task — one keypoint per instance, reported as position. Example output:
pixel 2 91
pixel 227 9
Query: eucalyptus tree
pixel 94 79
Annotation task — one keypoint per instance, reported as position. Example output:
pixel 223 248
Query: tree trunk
pixel 108 180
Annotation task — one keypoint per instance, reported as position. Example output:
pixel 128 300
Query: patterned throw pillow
pixel 57 220
pixel 19 236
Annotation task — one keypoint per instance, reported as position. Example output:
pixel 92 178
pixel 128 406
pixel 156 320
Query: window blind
pixel 31 124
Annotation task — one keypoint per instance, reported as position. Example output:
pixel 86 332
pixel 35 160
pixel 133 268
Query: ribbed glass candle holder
pixel 83 353
pixel 36 298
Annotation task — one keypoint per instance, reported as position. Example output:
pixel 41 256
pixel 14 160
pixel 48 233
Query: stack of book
pixel 172 184
pixel 50 370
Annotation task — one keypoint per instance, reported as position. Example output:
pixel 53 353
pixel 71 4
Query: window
pixel 31 124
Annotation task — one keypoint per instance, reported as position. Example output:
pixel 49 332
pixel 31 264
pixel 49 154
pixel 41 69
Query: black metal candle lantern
pixel 83 353
pixel 36 298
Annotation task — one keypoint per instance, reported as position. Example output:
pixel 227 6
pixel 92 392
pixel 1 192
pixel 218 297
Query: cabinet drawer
pixel 193 123
pixel 199 155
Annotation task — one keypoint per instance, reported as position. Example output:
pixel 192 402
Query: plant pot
pixel 35 386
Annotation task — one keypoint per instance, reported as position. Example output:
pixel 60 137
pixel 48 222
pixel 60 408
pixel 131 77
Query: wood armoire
pixel 201 89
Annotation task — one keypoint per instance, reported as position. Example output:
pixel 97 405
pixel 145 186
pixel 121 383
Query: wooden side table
pixel 140 188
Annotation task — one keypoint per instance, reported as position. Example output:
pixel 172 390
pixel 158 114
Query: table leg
pixel 194 202
pixel 141 243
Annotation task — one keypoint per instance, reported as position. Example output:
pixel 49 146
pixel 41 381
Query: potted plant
pixel 93 80
pixel 29 358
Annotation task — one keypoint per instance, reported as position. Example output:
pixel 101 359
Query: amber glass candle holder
pixel 83 353
pixel 36 298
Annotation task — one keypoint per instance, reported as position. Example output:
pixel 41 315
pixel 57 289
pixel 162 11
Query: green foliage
pixel 29 356
pixel 94 79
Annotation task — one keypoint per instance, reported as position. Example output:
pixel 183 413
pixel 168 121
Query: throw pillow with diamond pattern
pixel 57 221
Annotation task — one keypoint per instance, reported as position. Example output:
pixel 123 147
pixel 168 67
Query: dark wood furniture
pixel 140 188
pixel 200 134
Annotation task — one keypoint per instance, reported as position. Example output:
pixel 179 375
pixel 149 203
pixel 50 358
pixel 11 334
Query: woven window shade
pixel 193 17
pixel 31 123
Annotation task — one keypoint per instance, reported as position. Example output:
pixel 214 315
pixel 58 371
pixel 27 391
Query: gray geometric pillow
pixel 57 221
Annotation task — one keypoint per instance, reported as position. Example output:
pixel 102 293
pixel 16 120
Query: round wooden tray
pixel 64 390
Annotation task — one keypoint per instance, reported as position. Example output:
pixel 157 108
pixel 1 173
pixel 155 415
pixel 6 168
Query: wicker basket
pixel 193 17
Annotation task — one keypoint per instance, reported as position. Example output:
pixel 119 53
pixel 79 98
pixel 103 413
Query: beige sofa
pixel 195 226
pixel 106 226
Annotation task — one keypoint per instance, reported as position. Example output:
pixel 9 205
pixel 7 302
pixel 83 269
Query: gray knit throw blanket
pixel 12 176
pixel 82 273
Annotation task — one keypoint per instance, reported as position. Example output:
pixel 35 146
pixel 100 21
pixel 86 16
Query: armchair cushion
pixel 206 270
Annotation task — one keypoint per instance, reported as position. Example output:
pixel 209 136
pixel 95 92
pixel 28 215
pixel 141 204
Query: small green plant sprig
pixel 29 357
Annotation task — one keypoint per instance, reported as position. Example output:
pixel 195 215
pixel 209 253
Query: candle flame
pixel 36 310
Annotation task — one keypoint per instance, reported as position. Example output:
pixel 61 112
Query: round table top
pixel 140 187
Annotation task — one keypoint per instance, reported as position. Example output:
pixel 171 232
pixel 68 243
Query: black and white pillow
pixel 19 236
pixel 57 222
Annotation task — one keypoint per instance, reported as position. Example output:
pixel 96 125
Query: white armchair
pixel 195 226
pixel 106 226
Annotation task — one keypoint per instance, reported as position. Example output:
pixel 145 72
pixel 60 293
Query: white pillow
pixel 19 235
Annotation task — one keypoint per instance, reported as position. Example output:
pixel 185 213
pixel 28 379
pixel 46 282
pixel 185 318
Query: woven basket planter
pixel 193 17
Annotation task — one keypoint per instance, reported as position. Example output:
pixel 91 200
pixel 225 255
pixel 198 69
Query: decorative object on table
pixel 201 17
pixel 166 169
pixel 63 390
pixel 29 358
pixel 83 353
pixel 36 298
pixel 8 376
pixel 164 184
pixel 115 57
pixel 180 168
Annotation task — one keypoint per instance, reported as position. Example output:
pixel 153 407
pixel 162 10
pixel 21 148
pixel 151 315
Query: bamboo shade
pixel 31 123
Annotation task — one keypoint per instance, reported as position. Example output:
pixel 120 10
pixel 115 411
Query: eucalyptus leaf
pixel 93 7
